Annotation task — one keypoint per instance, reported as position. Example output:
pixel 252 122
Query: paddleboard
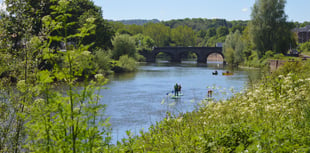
pixel 175 97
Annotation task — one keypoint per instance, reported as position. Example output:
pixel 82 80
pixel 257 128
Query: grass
pixel 306 53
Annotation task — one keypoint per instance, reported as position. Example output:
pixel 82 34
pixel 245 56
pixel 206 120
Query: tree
pixel 144 42
pixel 80 10
pixel 305 47
pixel 237 27
pixel 233 48
pixel 34 116
pixel 158 32
pixel 123 45
pixel 211 32
pixel 183 36
pixel 269 29
pixel 135 29
pixel 222 31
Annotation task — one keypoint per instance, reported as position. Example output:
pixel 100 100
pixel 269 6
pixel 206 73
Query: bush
pixel 125 64
pixel 305 47
pixel 123 45
pixel 103 60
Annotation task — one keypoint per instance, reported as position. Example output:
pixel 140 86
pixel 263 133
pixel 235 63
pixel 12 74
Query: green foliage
pixel 38 116
pixel 62 123
pixel 269 29
pixel 170 33
pixel 158 32
pixel 135 29
pixel 144 42
pixel 198 24
pixel 269 54
pixel 80 10
pixel 211 32
pixel 278 56
pixel 222 31
pixel 237 27
pixel 304 47
pixel 211 42
pixel 125 64
pixel 183 36
pixel 102 59
pixel 233 48
pixel 229 55
pixel 201 33
pixel 123 45
pixel 253 60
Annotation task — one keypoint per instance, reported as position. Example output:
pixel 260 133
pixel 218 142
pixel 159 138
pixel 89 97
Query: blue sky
pixel 297 10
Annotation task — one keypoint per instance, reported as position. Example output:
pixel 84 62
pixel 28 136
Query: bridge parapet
pixel 176 52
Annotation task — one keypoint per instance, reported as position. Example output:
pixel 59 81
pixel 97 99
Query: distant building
pixel 303 34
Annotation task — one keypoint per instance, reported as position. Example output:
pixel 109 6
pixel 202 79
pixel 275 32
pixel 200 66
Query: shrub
pixel 123 45
pixel 103 60
pixel 125 64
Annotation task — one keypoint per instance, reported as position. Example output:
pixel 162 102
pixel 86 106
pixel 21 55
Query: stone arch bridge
pixel 176 53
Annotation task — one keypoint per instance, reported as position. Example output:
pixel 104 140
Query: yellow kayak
pixel 227 73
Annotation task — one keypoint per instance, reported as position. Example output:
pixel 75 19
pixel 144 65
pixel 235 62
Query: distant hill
pixel 204 24
pixel 137 21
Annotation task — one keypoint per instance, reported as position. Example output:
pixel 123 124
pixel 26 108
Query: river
pixel 137 100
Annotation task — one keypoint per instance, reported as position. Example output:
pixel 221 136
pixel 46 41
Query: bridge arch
pixel 163 52
pixel 213 53
pixel 176 53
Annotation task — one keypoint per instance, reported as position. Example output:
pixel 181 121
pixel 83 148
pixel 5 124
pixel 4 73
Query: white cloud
pixel 245 9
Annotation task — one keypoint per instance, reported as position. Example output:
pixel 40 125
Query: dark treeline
pixel 205 32
pixel 136 21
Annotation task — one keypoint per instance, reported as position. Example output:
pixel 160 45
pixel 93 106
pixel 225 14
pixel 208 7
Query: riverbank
pixel 271 116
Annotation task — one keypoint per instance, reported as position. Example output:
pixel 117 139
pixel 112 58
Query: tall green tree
pixel 80 10
pixel 233 48
pixel 144 42
pixel 85 9
pixel 158 32
pixel 123 45
pixel 269 29
pixel 183 36
pixel 211 32
pixel 33 116
pixel 222 31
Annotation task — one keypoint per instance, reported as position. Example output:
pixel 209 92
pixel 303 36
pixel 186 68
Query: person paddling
pixel 176 88
pixel 209 93
pixel 179 89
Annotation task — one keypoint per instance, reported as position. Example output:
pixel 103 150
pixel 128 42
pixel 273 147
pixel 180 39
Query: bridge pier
pixel 202 59
pixel 176 59
pixel 148 55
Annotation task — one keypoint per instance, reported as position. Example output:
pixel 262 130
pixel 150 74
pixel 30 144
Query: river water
pixel 137 100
